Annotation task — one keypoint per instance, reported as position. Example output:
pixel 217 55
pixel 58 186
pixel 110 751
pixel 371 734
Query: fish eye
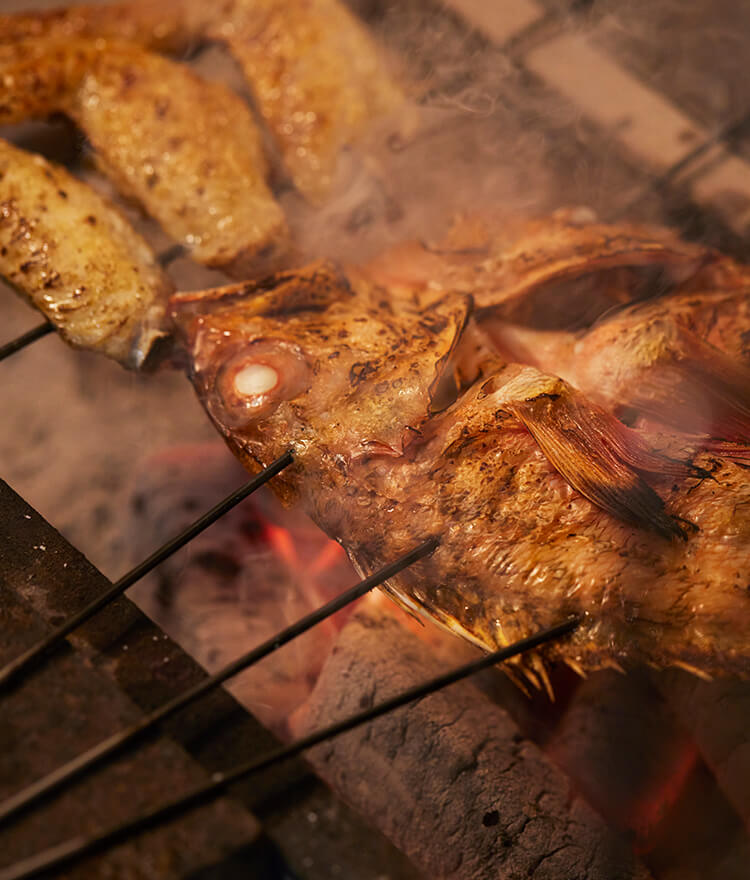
pixel 256 378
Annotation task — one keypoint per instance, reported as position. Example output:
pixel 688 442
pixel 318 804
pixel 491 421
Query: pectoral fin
pixel 696 388
pixel 594 452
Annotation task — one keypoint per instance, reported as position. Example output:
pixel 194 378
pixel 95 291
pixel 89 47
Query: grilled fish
pixel 564 268
pixel 681 361
pixel 544 502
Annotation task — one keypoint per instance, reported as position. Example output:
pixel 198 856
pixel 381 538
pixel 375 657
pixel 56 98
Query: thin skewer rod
pixel 71 850
pixel 172 253
pixel 25 339
pixel 11 672
pixel 91 758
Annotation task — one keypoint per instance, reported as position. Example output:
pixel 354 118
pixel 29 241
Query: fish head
pixel 316 362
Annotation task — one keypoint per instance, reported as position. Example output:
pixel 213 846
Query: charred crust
pixel 360 371
pixel 434 323
pixel 545 395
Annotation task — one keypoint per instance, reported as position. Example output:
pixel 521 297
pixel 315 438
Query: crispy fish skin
pixel 327 342
pixel 545 506
pixel 78 261
pixel 187 150
pixel 519 268
pixel 316 75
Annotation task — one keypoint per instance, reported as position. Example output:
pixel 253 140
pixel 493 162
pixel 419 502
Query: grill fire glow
pixel 638 775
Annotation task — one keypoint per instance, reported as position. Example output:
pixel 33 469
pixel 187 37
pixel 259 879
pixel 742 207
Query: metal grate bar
pixel 69 851
pixel 13 670
pixel 90 759
pixel 726 133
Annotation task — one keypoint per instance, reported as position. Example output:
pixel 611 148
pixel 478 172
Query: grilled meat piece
pixel 78 260
pixel 545 504
pixel 187 150
pixel 164 25
pixel 316 76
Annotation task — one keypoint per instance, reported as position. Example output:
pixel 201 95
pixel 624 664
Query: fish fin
pixel 738 453
pixel 537 662
pixel 311 288
pixel 594 452
pixel 404 602
pixel 693 670
pixel 697 388
pixel 575 666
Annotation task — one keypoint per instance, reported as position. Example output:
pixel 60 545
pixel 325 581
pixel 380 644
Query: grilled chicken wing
pixel 78 260
pixel 187 150
pixel 545 503
pixel 315 74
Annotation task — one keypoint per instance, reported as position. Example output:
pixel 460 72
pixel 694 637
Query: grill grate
pixel 63 854
pixel 534 28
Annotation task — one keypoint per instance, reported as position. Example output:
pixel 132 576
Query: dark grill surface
pixel 121 667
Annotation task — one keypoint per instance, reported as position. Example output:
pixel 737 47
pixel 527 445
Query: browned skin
pixel 187 150
pixel 75 258
pixel 316 77
pixel 544 503
pixel 682 360
pixel 166 25
pixel 521 269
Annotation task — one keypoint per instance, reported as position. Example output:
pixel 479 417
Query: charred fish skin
pixel 530 270
pixel 75 258
pixel 627 548
pixel 343 389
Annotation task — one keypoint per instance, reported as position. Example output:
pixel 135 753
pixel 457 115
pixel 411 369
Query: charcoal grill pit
pixel 703 188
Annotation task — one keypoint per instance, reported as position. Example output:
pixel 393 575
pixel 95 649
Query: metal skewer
pixel 71 850
pixel 13 670
pixel 25 339
pixel 116 743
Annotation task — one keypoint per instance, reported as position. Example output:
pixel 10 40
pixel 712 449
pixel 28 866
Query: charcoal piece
pixel 450 779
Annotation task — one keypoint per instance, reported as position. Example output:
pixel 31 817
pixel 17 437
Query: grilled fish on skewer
pixel 679 357
pixel 315 74
pixel 681 361
pixel 78 260
pixel 533 270
pixel 187 150
pixel 545 503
